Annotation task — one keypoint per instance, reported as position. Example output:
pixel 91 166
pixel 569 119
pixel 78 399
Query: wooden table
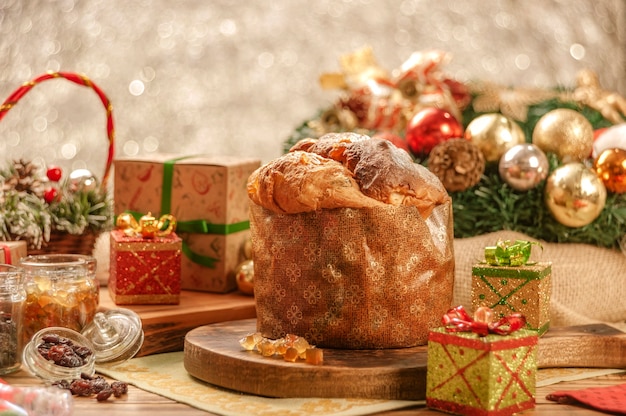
pixel 166 325
pixel 142 403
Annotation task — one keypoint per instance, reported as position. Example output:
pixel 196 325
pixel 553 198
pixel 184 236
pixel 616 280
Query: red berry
pixel 54 173
pixel 50 195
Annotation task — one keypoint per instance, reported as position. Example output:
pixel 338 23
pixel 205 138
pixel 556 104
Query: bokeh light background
pixel 230 77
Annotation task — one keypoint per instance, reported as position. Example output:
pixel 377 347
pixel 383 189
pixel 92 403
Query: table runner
pixel 165 374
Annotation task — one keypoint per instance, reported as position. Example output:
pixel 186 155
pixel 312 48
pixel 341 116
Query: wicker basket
pixel 61 241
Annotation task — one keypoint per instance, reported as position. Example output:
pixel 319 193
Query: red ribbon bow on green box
pixel 458 320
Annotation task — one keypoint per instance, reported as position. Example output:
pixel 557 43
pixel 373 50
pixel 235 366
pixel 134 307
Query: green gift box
pixel 475 375
pixel 521 289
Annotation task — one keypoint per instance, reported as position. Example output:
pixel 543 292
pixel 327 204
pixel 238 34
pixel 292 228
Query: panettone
pixel 352 244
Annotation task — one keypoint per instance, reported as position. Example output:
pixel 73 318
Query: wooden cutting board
pixel 213 354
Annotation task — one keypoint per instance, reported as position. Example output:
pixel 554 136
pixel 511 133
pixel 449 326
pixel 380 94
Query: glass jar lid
pixel 116 335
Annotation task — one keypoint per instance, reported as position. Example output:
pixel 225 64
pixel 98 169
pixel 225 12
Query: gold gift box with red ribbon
pixel 481 366
pixel 208 197
pixel 509 283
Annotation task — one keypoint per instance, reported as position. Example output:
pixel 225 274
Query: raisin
pixel 81 387
pixel 51 338
pixel 57 352
pixel 104 394
pixel 99 384
pixel 62 384
pixel 70 361
pixel 82 352
pixel 119 388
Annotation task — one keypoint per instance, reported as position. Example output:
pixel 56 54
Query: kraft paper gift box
pixel 208 197
pixel 473 375
pixel 12 251
pixel 145 270
pixel 507 289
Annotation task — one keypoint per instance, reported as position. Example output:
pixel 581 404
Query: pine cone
pixel 458 163
pixel 23 177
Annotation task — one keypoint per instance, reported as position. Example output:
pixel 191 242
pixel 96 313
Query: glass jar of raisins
pixel 61 291
pixel 12 296
pixel 58 353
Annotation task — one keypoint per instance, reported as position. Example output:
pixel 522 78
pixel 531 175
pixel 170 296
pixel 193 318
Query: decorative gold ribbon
pixel 148 226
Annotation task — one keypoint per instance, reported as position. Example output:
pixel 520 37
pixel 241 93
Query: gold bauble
pixel 566 133
pixel 610 167
pixel 244 276
pixel 494 134
pixel 575 195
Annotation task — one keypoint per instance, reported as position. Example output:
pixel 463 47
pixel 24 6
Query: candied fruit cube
pixel 301 345
pixel 281 346
pixel 314 356
pixel 290 339
pixel 249 341
pixel 291 354
pixel 266 347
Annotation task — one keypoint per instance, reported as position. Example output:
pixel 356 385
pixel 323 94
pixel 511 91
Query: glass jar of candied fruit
pixel 12 297
pixel 57 353
pixel 61 291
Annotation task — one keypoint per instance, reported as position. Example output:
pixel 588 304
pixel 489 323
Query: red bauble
pixel 54 173
pixel 396 140
pixel 50 195
pixel 429 127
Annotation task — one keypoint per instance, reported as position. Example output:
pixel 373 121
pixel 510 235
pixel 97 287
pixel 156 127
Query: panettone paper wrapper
pixel 353 278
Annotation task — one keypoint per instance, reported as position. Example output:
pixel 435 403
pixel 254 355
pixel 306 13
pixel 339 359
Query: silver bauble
pixel 82 180
pixel 523 167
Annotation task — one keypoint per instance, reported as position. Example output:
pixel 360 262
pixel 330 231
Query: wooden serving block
pixel 213 354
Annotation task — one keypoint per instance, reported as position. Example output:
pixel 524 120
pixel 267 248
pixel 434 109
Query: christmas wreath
pixel 549 163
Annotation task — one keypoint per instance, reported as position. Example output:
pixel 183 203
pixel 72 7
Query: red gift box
pixel 145 270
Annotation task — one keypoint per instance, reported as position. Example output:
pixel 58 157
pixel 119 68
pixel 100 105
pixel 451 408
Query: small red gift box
pixel 145 270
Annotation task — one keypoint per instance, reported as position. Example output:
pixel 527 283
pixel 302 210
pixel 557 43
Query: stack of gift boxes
pixel 486 364
pixel 207 198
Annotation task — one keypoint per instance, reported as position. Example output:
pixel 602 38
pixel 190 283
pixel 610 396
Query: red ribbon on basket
pixel 458 320
pixel 77 79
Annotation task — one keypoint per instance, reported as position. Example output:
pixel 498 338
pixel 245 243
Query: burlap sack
pixel 588 282
pixel 353 278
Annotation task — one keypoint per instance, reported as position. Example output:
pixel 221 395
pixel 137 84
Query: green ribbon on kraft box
pixel 199 226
